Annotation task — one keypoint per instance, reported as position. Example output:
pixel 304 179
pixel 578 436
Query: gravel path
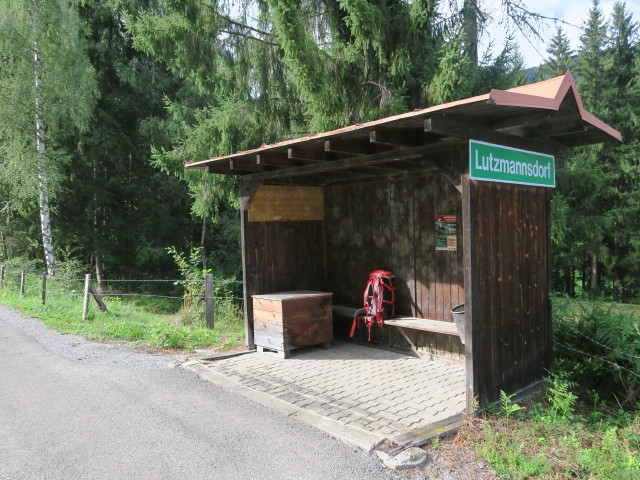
pixel 76 409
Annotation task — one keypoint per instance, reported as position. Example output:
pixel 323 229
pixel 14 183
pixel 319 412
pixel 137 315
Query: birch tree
pixel 47 90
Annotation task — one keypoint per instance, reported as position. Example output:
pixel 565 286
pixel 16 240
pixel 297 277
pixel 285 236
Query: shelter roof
pixel 546 116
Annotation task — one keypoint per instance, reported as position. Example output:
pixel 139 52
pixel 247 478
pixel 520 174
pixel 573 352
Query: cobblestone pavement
pixel 371 389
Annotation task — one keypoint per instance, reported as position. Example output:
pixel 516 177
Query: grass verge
pixel 541 441
pixel 155 323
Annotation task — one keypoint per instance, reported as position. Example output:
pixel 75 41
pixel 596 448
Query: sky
pixel 574 12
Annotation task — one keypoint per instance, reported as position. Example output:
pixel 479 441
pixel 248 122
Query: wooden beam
pixel 243 166
pixel 398 138
pixel 422 435
pixel 521 120
pixel 426 167
pixel 224 168
pixel 552 129
pixel 361 161
pixel 484 134
pixel 280 159
pixel 295 153
pixel 347 147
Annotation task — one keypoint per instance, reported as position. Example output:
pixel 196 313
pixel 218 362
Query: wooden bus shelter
pixel 441 196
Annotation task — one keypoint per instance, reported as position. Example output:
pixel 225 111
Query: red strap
pixel 353 327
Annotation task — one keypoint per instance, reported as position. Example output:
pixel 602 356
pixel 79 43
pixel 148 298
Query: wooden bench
pixel 412 323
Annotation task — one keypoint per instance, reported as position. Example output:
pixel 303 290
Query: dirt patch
pixel 454 458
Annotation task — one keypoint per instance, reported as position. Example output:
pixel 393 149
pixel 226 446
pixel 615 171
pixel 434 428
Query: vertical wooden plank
pixel 249 259
pixel 470 256
pixel 547 326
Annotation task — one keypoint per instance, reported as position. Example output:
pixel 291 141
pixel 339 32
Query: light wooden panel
pixel 283 203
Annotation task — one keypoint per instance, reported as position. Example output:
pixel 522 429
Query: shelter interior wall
pixel 284 255
pixel 511 314
pixel 390 225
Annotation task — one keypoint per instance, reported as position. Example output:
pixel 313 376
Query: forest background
pixel 101 103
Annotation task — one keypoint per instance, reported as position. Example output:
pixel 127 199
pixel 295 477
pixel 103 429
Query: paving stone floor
pixel 371 389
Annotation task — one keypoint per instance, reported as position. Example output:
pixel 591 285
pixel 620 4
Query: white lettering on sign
pixel 503 165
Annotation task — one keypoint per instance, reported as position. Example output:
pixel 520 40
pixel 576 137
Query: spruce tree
pixel 622 256
pixel 559 57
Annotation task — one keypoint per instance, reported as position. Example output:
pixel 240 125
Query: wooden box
pixel 287 320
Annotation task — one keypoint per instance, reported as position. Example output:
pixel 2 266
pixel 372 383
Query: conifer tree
pixel 559 57
pixel 621 257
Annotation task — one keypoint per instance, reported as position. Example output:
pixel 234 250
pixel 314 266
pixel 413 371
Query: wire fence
pixel 207 290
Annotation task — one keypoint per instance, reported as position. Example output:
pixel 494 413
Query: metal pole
pixel 44 288
pixel 22 282
pixel 85 304
pixel 208 300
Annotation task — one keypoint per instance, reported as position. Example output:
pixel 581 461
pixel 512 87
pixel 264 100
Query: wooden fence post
pixel 85 304
pixel 22 283
pixel 44 288
pixel 1 276
pixel 97 298
pixel 208 300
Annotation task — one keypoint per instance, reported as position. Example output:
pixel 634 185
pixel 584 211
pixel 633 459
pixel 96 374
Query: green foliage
pixel 600 350
pixel 63 102
pixel 549 441
pixel 131 320
pixel 507 406
pixel 193 284
pixel 598 195
pixel 560 56
pixel 452 82
pixel 70 271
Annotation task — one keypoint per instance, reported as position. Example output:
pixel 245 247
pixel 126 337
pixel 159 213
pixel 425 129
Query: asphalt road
pixel 73 409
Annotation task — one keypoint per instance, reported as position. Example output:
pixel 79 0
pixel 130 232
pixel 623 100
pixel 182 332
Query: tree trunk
pixel 3 248
pixel 593 286
pixel 43 178
pixel 100 276
pixel 616 289
pixel 470 26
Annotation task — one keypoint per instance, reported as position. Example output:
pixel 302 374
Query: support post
pixel 247 190
pixel 208 300
pixel 97 298
pixel 1 276
pixel 22 283
pixel 44 288
pixel 85 303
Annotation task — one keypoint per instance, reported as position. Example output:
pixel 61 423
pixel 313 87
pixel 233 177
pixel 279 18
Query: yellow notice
pixel 285 203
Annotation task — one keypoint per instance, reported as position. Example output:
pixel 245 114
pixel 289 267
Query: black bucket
pixel 457 313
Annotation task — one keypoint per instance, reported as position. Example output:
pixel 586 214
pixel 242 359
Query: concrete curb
pixel 352 436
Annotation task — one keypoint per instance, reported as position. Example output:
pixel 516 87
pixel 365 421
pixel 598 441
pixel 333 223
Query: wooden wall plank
pixel 391 225
pixel 510 270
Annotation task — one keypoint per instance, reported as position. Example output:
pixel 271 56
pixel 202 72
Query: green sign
pixel 496 163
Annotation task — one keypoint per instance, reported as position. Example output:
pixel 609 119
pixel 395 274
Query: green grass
pixel 152 322
pixel 542 443
pixel 578 427
pixel 576 306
